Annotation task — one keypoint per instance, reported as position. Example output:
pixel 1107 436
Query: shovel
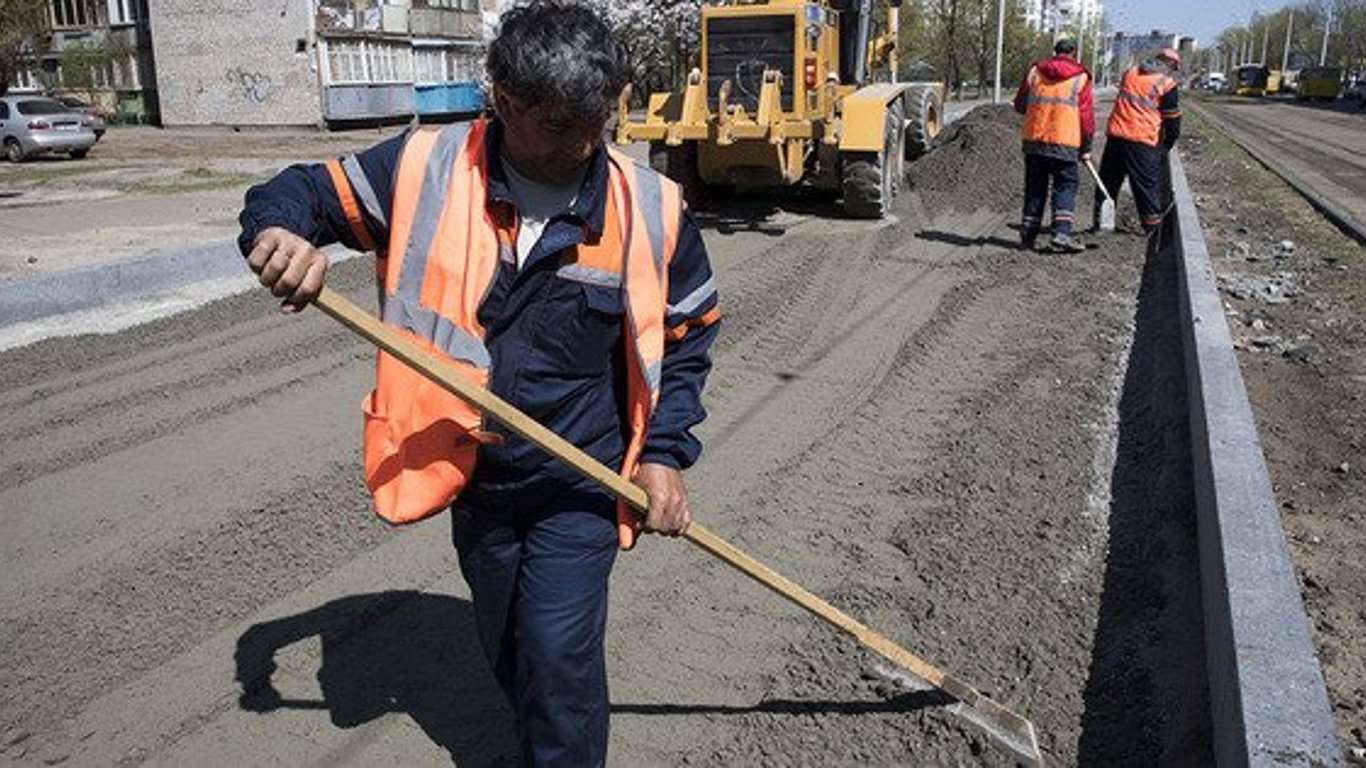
pixel 1011 730
pixel 1107 207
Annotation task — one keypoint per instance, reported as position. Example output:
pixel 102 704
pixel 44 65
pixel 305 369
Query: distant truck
pixel 1216 81
pixel 1274 82
pixel 1319 83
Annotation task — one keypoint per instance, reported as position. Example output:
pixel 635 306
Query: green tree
pixel 23 31
pixel 88 66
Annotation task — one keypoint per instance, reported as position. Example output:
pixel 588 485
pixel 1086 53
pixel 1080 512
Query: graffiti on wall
pixel 255 85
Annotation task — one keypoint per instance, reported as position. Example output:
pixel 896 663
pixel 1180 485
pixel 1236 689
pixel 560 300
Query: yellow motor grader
pixel 786 93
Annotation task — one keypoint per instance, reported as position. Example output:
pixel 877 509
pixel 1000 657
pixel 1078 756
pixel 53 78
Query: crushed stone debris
pixel 1276 288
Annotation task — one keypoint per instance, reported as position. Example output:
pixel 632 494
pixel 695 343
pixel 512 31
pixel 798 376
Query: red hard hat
pixel 1170 54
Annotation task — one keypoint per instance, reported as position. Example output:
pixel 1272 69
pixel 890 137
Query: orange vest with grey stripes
pixel 1136 114
pixel 420 441
pixel 1053 111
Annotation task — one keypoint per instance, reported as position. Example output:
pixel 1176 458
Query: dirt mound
pixel 975 163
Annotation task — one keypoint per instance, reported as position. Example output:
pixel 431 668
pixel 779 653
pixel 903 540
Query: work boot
pixel 1028 238
pixel 1064 243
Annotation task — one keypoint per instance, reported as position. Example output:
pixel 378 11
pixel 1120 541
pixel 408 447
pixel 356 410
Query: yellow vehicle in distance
pixel 1251 80
pixel 1320 83
pixel 789 92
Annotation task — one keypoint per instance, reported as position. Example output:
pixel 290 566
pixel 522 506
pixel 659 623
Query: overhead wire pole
pixel 1289 30
pixel 1327 25
pixel 1000 47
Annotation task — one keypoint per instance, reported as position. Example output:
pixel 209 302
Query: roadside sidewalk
pixel 146 225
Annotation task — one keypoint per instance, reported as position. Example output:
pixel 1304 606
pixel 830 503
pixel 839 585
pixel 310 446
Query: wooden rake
pixel 1010 729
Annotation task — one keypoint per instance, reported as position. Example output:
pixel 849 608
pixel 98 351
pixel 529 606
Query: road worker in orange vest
pixel 569 280
pixel 1059 120
pixel 1144 124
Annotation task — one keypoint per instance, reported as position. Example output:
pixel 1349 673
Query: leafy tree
pixel 662 36
pixel 84 64
pixel 24 28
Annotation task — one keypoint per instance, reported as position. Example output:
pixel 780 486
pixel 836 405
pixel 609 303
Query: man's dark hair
pixel 560 55
pixel 1066 45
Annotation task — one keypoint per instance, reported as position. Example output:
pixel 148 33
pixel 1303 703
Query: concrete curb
pixel 1268 701
pixel 34 298
pixel 28 299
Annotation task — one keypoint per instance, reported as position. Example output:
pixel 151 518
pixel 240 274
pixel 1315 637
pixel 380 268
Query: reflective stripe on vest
pixel 1136 115
pixel 421 442
pixel 1052 111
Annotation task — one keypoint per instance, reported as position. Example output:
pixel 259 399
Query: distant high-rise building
pixel 1060 17
pixel 1129 48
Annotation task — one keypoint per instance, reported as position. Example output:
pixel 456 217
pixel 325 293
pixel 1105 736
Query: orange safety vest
pixel 1053 111
pixel 1136 115
pixel 421 441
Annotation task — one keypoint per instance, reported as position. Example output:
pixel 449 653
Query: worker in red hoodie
pixel 1055 98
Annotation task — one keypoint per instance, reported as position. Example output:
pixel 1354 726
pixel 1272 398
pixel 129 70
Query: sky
pixel 1202 19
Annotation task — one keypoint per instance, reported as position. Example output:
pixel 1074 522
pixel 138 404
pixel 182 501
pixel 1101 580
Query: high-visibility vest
pixel 1136 116
pixel 1053 111
pixel 420 441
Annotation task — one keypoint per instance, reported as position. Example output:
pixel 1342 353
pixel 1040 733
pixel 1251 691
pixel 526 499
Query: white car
pixel 37 125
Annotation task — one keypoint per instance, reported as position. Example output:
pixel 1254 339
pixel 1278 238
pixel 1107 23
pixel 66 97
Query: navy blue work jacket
pixel 556 344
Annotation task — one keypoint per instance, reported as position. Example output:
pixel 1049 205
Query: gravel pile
pixel 975 163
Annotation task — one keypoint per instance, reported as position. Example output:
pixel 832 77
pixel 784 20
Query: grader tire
pixel 925 119
pixel 871 179
pixel 680 164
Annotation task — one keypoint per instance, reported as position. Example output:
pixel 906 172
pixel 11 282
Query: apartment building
pixel 1060 17
pixel 100 50
pixel 310 62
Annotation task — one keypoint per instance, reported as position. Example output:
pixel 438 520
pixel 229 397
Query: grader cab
pixel 792 92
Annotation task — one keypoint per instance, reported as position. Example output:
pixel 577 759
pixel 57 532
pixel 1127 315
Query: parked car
pixel 35 125
pixel 94 116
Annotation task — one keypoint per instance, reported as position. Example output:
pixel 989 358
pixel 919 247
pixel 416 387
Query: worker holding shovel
pixel 1143 127
pixel 1059 120
pixel 567 280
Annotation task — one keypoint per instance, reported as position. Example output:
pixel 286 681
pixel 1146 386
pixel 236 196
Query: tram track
pixel 1334 182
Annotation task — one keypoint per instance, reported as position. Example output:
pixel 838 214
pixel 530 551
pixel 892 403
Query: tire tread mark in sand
pixel 975 317
pixel 817 345
pixel 79 643
pixel 121 436
pixel 777 502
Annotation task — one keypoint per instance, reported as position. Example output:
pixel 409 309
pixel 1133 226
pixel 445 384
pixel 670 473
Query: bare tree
pixel 24 29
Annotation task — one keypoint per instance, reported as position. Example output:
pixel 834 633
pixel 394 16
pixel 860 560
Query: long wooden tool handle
pixel 1099 184
pixel 441 373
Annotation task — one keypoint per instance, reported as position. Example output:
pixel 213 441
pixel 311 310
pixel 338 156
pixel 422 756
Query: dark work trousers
pixel 539 581
pixel 1040 170
pixel 1142 165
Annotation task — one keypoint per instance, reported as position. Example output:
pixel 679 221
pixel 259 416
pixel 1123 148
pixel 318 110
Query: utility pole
pixel 1285 54
pixel 1327 25
pixel 1000 47
pixel 1266 37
